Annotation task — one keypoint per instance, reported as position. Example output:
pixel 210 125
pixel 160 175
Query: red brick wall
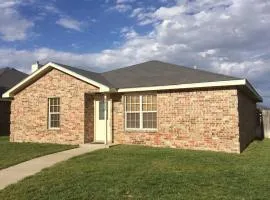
pixel 202 119
pixel 89 118
pixel 29 110
pixel 247 120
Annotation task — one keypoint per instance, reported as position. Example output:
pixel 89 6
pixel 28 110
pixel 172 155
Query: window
pixel 132 111
pixel 141 111
pixel 102 110
pixel 149 111
pixel 54 113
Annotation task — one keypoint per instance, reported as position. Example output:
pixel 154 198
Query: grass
pixel 137 172
pixel 14 153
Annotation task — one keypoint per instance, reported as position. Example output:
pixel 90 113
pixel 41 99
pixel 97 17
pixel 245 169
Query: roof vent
pixel 35 67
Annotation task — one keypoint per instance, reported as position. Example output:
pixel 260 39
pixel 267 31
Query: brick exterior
pixel 29 110
pixel 247 120
pixel 201 119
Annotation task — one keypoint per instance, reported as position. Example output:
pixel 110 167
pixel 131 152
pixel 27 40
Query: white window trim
pixel 141 115
pixel 50 113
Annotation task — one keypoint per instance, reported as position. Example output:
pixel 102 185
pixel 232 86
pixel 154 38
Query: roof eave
pixel 253 90
pixel 239 82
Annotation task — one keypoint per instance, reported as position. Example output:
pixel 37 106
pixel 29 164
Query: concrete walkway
pixel 18 172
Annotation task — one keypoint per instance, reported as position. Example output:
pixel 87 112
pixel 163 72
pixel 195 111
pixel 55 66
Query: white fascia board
pixel 101 87
pixel 186 86
pixel 241 82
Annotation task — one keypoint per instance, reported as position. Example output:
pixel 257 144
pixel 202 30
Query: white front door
pixel 100 121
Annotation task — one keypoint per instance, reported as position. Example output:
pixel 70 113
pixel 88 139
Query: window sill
pixel 142 130
pixel 53 129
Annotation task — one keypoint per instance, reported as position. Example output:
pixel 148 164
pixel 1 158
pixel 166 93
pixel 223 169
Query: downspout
pixel 105 112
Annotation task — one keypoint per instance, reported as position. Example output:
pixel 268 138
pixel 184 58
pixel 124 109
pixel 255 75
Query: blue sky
pixel 85 27
pixel 225 36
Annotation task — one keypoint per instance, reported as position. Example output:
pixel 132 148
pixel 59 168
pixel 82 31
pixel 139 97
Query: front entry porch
pixel 100 121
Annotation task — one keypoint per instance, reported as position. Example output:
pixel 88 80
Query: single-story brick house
pixel 152 103
pixel 8 78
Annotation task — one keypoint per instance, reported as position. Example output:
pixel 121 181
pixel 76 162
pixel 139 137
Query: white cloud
pixel 128 32
pixel 64 20
pixel 69 23
pixel 124 1
pixel 121 8
pixel 167 13
pixel 208 52
pixel 12 25
pixel 136 12
pixel 143 15
pixel 51 8
pixel 7 4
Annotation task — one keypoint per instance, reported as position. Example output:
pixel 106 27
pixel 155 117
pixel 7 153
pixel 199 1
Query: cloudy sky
pixel 225 36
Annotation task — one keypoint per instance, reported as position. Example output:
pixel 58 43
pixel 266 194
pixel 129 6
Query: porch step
pixel 92 145
pixel 95 144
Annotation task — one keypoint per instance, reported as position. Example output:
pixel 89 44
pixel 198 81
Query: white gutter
pixel 186 86
pixel 242 82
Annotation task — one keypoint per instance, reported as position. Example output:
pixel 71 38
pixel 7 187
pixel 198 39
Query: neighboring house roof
pixel 9 77
pixel 152 75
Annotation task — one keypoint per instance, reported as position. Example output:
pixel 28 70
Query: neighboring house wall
pixel 4 117
pixel 29 110
pixel 247 120
pixel 194 119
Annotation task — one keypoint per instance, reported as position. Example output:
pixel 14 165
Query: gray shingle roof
pixel 148 74
pixel 151 73
pixel 88 74
pixel 156 73
pixel 2 70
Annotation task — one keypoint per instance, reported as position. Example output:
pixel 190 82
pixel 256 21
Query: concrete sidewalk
pixel 18 172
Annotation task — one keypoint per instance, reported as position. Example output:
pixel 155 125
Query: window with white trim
pixel 141 111
pixel 54 113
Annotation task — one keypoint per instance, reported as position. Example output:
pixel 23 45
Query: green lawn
pixel 14 153
pixel 137 172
